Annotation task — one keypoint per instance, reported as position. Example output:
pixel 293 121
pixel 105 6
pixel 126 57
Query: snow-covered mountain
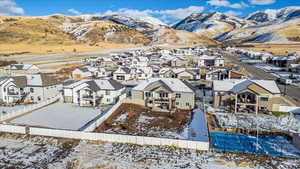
pixel 211 24
pixel 140 24
pixel 274 16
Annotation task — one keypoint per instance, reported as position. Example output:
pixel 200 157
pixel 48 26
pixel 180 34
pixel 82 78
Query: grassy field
pixel 19 49
pixel 275 49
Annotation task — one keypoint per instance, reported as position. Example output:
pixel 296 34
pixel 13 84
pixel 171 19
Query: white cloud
pixel 179 13
pixel 175 14
pixel 129 12
pixel 74 11
pixel 262 2
pixel 8 7
pixel 233 13
pixel 226 3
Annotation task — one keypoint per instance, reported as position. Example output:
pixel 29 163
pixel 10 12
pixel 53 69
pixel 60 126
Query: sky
pixel 166 10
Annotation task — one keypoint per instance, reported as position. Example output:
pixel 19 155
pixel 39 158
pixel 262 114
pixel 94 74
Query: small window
pixel 148 94
pixel 31 98
pixel 107 92
pixel 31 90
pixel 178 95
pixel 187 104
pixel 108 100
pixel 177 103
pixel 39 98
pixel 264 98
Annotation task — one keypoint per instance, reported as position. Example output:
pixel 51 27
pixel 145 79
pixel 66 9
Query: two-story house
pixel 246 95
pixel 9 91
pixel 211 61
pixel 92 93
pixel 165 94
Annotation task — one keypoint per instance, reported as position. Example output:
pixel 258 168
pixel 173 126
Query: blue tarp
pixel 267 145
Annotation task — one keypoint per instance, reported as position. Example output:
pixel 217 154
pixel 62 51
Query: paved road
pixel 64 56
pixel 291 91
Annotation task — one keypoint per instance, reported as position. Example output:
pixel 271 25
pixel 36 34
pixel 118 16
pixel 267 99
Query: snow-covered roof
pixel 97 84
pixel 217 70
pixel 205 57
pixel 236 85
pixel 176 85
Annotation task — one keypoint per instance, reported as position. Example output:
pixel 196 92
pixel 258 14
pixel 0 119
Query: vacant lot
pixel 18 151
pixel 88 155
pixel 137 120
pixel 25 49
pixel 275 49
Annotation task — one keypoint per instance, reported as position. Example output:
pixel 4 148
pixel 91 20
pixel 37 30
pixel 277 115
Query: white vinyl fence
pixel 102 119
pixel 116 138
pixel 288 108
pixel 26 109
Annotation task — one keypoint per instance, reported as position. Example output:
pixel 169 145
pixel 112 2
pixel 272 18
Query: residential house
pixel 139 62
pixel 9 91
pixel 141 73
pixel 218 74
pixel 122 74
pixel 22 69
pixel 180 73
pixel 39 87
pixel 211 61
pixel 250 96
pixel 91 93
pixel 165 94
pixel 295 68
pixel 83 72
pixel 89 72
pixel 178 61
pixel 282 61
pixel 31 88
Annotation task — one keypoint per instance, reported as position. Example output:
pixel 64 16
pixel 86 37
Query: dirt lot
pixel 18 151
pixel 137 120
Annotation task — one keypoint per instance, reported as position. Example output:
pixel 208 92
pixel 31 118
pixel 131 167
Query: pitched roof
pixel 175 85
pixel 97 85
pixel 237 85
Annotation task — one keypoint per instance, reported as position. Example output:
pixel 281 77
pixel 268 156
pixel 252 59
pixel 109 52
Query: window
pixel 31 90
pixel 148 94
pixel 107 92
pixel 178 95
pixel 177 103
pixel 39 98
pixel 108 100
pixel 31 98
pixel 163 95
pixel 262 108
pixel 187 104
pixel 264 98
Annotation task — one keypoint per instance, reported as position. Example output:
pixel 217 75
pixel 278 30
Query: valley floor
pixel 275 49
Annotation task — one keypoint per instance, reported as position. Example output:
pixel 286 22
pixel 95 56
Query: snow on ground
pixel 9 109
pixel 198 127
pixel 265 122
pixel 124 156
pixel 32 153
pixel 60 116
